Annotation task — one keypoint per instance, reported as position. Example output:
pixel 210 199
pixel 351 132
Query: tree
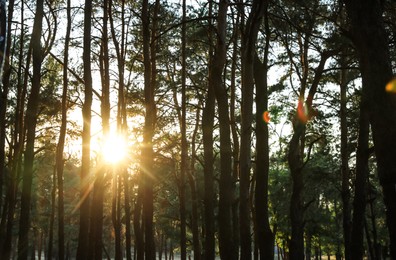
pixel 17 137
pixel 3 94
pixel 184 147
pixel 84 203
pixel 104 61
pixel 265 236
pixel 371 41
pixel 249 39
pixel 5 72
pixel 360 198
pixel 148 176
pixel 192 178
pixel 122 126
pixel 30 122
pixel 237 22
pixel 301 39
pixel 3 32
pixel 296 161
pixel 61 142
pixel 226 242
pixel 208 115
pixel 96 212
pixel 345 192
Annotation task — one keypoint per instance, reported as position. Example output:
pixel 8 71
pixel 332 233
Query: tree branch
pixel 79 79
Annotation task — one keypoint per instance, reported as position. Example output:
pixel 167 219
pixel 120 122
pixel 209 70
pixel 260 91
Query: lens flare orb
pixel 266 117
pixel 391 86
pixel 302 111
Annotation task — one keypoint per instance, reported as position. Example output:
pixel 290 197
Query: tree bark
pixel 371 41
pixel 122 126
pixel 18 138
pixel 184 148
pixel 52 218
pixel 96 219
pixel 228 249
pixel 308 246
pixel 296 163
pixel 345 187
pixel 127 195
pixel 30 122
pixel 377 245
pixel 59 164
pixel 116 214
pixel 147 153
pixel 137 225
pixel 209 196
pixel 3 94
pixel 249 39
pixel 3 33
pixel 84 203
pixel 265 236
pixel 233 121
pixel 5 72
pixel 208 115
pixel 362 170
pixel 296 202
pixel 194 193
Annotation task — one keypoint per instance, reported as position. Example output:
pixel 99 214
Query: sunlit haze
pixel 115 149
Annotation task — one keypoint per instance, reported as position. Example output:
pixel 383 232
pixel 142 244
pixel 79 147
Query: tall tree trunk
pixel 83 241
pixel 208 115
pixel 345 187
pixel 296 202
pixel 5 72
pixel 308 246
pixel 3 94
pixel 265 236
pixel 228 249
pixel 18 139
pixel 147 153
pixel 184 148
pixel 209 195
pixel 377 245
pixel 116 213
pixel 233 121
pixel 52 218
pixel 362 170
pixel 371 40
pixel 137 225
pixel 295 157
pixel 59 164
pixel 96 219
pixel 122 126
pixel 194 193
pixel 3 33
pixel 296 163
pixel 248 53
pixel 127 195
pixel 30 122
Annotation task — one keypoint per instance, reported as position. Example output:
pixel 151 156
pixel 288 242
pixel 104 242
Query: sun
pixel 115 149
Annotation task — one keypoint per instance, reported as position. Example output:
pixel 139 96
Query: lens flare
pixel 302 111
pixel 391 86
pixel 114 149
pixel 266 117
